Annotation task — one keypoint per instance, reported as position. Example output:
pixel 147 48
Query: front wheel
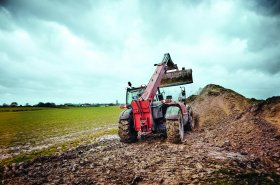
pixel 126 132
pixel 175 130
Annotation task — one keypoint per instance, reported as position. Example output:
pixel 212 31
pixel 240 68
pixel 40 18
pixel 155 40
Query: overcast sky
pixel 85 51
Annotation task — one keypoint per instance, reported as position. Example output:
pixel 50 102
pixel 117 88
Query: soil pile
pixel 228 119
pixel 215 103
pixel 237 141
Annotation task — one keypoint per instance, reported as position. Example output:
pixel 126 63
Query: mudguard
pixel 172 113
pixel 124 115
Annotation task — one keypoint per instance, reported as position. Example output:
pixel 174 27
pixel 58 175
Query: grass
pixel 22 127
pixel 58 147
pixel 31 126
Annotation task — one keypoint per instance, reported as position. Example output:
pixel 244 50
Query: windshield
pixel 133 94
pixel 173 91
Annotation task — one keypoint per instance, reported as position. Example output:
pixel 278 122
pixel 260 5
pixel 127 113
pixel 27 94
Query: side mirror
pixel 123 106
pixel 183 93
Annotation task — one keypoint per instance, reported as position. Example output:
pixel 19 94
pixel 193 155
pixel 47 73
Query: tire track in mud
pixel 148 161
pixel 48 142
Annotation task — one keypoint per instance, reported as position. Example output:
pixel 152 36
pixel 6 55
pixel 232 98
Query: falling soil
pixel 236 141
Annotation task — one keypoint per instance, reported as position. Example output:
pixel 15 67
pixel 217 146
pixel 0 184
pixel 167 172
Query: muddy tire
pixel 190 125
pixel 126 131
pixel 175 130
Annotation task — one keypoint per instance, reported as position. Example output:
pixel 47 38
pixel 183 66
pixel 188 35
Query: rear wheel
pixel 127 132
pixel 175 129
pixel 190 125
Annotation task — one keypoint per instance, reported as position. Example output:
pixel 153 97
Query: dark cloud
pixel 3 2
pixel 272 65
pixel 80 18
pixel 267 7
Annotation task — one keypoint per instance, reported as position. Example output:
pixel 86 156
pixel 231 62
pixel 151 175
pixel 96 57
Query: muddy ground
pixel 237 143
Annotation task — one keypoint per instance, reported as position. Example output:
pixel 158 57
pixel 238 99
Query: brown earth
pixel 237 141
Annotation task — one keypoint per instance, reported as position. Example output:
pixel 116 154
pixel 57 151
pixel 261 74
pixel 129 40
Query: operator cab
pixel 163 93
pixel 134 93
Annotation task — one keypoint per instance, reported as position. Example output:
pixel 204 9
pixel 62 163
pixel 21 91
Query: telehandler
pixel 148 110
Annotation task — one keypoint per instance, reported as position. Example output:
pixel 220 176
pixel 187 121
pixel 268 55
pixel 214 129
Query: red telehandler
pixel 148 111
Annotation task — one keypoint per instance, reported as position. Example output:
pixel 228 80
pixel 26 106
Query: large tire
pixel 126 131
pixel 190 125
pixel 175 130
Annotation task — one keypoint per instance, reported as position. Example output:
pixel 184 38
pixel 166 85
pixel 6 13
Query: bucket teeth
pixel 178 77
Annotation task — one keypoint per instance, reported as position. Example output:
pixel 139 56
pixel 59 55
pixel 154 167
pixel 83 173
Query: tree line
pixel 51 104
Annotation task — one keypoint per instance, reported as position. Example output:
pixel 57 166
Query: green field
pixel 32 126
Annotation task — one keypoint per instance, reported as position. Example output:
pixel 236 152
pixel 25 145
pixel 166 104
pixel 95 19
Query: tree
pixel 48 104
pixel 14 104
pixel 40 104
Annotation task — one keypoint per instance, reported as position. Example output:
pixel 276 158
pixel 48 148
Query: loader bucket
pixel 178 77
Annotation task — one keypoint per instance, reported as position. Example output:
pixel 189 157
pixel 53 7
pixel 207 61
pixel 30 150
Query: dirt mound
pixel 228 119
pixel 268 109
pixel 214 103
